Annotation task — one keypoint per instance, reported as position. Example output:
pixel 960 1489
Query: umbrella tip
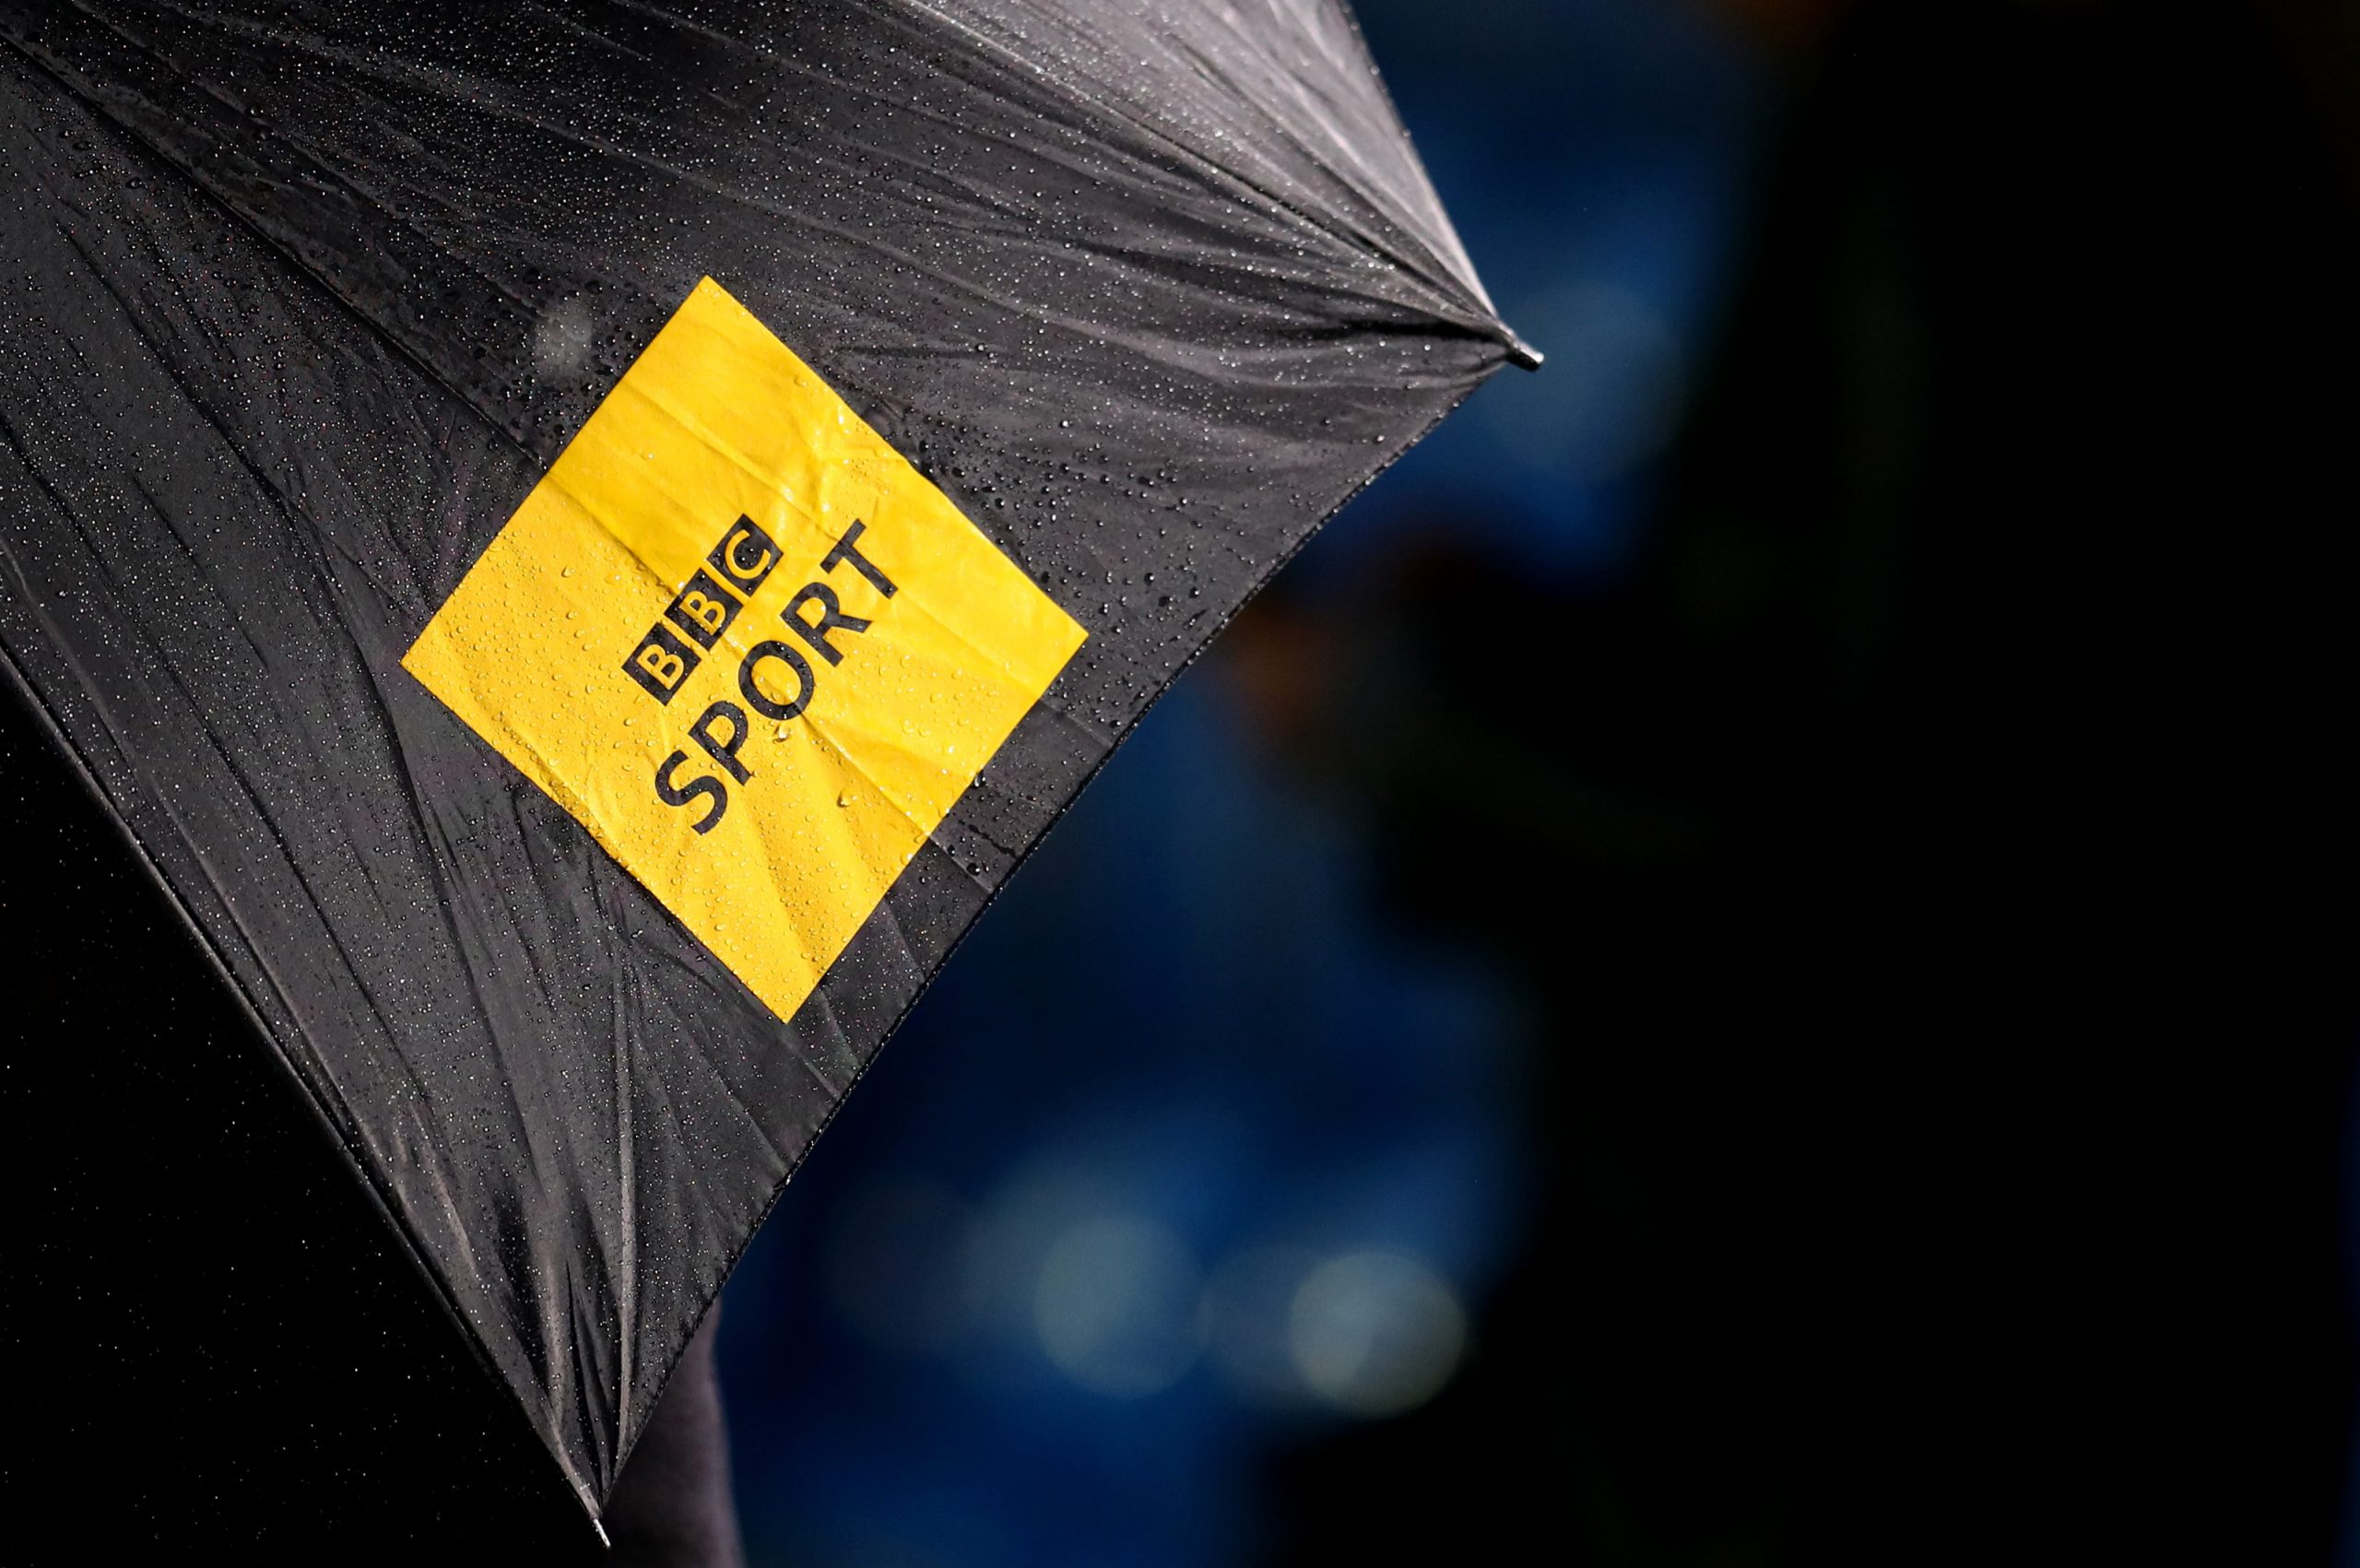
pixel 590 1506
pixel 1522 355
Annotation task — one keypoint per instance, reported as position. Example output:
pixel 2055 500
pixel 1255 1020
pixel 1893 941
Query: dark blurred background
pixel 1748 961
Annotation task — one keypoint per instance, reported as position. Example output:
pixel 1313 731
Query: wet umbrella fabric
pixel 584 543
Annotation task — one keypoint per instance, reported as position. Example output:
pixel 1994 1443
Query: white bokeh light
pixel 1115 1305
pixel 1375 1332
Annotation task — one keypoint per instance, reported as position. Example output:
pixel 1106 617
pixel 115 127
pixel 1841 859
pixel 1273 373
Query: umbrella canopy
pixel 585 542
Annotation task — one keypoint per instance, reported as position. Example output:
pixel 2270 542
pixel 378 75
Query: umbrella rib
pixel 249 221
pixel 1487 324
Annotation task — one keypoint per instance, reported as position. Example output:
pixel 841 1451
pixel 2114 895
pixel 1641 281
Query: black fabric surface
pixel 302 299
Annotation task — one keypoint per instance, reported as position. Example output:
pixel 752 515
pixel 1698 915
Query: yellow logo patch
pixel 755 653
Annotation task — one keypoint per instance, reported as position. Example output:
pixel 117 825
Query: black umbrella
pixel 585 542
